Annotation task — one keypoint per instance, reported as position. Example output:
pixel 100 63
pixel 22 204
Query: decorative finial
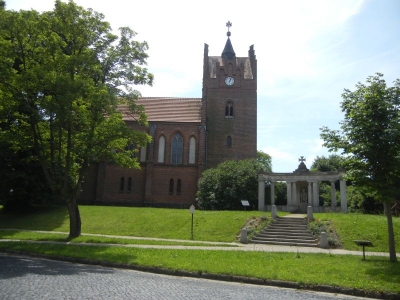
pixel 302 159
pixel 229 24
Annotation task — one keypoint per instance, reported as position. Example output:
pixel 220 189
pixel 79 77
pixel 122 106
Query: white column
pixel 289 192
pixel 294 195
pixel 272 192
pixel 343 196
pixel 261 193
pixel 309 190
pixel 315 194
pixel 333 196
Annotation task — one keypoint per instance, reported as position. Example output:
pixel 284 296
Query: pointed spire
pixel 228 52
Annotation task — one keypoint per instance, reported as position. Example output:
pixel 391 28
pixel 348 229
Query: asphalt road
pixel 35 278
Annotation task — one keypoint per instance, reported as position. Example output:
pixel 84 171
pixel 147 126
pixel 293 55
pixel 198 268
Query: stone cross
pixel 302 159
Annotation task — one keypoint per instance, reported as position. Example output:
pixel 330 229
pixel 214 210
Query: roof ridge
pixel 177 98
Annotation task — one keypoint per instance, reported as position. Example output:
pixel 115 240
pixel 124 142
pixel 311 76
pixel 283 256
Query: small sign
pixel 245 203
pixel 192 209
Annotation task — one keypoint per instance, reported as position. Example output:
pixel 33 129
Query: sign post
pixel 245 203
pixel 192 209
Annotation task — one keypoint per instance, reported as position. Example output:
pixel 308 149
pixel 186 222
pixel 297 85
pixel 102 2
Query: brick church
pixel 189 135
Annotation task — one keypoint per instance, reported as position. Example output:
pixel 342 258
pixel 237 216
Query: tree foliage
pixel 62 75
pixel 223 187
pixel 265 161
pixel 370 140
pixel 325 164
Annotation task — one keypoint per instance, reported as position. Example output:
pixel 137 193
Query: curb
pixel 220 277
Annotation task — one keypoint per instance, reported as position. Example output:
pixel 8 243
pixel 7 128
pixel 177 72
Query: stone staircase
pixel 286 231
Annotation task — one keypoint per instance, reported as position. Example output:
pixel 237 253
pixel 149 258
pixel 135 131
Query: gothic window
pixel 129 189
pixel 178 187
pixel 161 149
pixel 122 184
pixel 177 149
pixel 192 150
pixel 229 141
pixel 229 109
pixel 143 154
pixel 171 186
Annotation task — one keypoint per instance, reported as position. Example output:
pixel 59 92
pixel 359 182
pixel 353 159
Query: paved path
pixel 35 278
pixel 215 245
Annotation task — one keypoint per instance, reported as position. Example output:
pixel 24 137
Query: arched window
pixel 161 149
pixel 171 186
pixel 122 184
pixel 178 187
pixel 229 109
pixel 192 150
pixel 229 141
pixel 129 185
pixel 177 149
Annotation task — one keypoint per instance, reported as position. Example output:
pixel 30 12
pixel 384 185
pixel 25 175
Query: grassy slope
pixel 352 227
pixel 221 226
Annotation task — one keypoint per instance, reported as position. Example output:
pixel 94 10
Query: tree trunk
pixel 74 219
pixel 392 247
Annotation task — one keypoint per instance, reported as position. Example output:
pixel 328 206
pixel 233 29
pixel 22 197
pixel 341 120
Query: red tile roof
pixel 163 109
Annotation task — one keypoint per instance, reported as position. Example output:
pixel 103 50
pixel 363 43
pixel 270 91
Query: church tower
pixel 230 105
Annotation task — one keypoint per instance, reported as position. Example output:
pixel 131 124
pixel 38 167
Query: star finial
pixel 229 24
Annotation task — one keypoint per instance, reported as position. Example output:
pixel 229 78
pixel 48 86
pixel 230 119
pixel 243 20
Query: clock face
pixel 229 80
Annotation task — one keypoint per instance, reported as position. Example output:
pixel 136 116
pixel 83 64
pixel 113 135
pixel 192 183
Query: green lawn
pixel 218 226
pixel 352 227
pixel 375 274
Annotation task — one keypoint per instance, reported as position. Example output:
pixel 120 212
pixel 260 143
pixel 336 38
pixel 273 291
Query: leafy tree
pixel 370 139
pixel 326 164
pixel 223 187
pixel 265 161
pixel 62 76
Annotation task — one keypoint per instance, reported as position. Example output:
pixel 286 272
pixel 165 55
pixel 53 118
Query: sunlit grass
pixel 373 274
pixel 219 226
pixel 354 226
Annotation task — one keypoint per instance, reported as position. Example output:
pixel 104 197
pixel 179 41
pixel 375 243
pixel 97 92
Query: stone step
pixel 277 234
pixel 282 220
pixel 286 231
pixel 302 227
pixel 282 239
pixel 288 220
pixel 286 243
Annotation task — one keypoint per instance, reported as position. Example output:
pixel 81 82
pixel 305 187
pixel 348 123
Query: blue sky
pixel 307 52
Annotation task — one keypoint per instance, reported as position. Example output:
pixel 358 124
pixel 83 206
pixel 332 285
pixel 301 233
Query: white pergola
pixel 302 189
